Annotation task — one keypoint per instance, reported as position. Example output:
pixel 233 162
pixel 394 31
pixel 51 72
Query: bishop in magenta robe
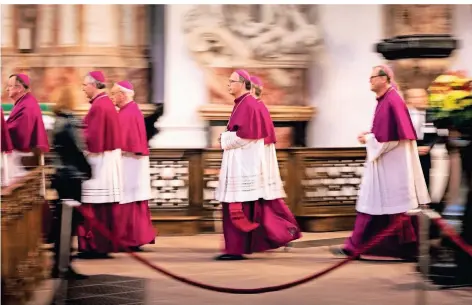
pixel 393 181
pixel 279 226
pixel 25 124
pixel 135 227
pixel 101 194
pixel 241 182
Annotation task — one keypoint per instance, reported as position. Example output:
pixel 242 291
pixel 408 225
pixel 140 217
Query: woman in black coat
pixel 71 169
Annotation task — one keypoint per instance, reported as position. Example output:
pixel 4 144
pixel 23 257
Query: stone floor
pixel 122 280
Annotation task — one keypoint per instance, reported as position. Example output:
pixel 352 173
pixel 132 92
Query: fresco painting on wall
pixel 44 80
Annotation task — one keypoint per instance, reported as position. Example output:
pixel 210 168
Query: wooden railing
pixel 321 187
pixel 22 256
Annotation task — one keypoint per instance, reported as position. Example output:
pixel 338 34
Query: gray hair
pixel 90 80
pixel 129 93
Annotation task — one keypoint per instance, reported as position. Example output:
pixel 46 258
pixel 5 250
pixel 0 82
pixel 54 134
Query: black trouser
pixel 463 259
pixel 426 167
pixel 57 231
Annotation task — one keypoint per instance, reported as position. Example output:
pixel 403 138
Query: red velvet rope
pixel 452 234
pixel 387 232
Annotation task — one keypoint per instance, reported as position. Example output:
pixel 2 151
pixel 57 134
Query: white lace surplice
pixel 241 175
pixel 136 179
pixel 106 183
pixel 393 180
pixel 274 184
pixel 5 168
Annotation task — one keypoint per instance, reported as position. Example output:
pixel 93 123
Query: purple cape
pixel 265 113
pixel 133 131
pixel 102 131
pixel 246 119
pixel 26 125
pixel 392 122
pixel 7 145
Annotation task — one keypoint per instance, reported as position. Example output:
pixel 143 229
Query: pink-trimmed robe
pixel 135 226
pixel 393 181
pixel 279 225
pixel 101 194
pixel 27 133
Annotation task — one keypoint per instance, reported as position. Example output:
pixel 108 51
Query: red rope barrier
pixel 452 234
pixel 387 232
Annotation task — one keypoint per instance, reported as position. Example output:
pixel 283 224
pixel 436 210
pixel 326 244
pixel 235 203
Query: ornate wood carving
pixel 22 256
pixel 321 187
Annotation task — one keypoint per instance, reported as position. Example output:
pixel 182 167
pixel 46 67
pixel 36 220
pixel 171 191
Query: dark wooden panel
pixel 321 186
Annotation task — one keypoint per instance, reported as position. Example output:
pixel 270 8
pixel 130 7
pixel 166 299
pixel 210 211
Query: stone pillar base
pixel 179 137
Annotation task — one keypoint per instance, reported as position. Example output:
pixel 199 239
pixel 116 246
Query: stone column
pixel 414 75
pixel 47 35
pixel 180 126
pixel 7 27
pixel 101 26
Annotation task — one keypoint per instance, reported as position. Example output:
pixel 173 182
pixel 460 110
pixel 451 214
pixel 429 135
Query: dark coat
pixel 72 168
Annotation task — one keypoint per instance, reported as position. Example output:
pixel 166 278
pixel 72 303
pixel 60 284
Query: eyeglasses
pixel 374 76
pixel 381 73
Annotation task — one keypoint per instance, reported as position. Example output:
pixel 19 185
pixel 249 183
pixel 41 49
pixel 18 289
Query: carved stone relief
pixel 415 75
pixel 276 42
pixel 418 19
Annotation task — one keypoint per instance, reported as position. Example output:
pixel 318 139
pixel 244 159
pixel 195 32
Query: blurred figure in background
pixel 393 181
pixel 425 131
pixel 71 168
pixel 101 194
pixel 279 226
pixel 134 226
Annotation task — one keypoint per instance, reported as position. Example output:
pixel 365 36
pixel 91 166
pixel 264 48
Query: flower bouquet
pixel 450 103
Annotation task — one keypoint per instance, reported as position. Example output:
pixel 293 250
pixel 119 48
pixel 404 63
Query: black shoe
pixel 70 274
pixel 74 275
pixel 229 257
pixel 340 252
pixel 93 255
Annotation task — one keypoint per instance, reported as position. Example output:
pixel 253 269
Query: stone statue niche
pixel 275 42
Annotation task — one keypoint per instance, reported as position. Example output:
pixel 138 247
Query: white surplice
pixel 16 168
pixel 273 182
pixel 106 183
pixel 5 168
pixel 241 174
pixel 137 178
pixel 393 180
pixel 12 168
